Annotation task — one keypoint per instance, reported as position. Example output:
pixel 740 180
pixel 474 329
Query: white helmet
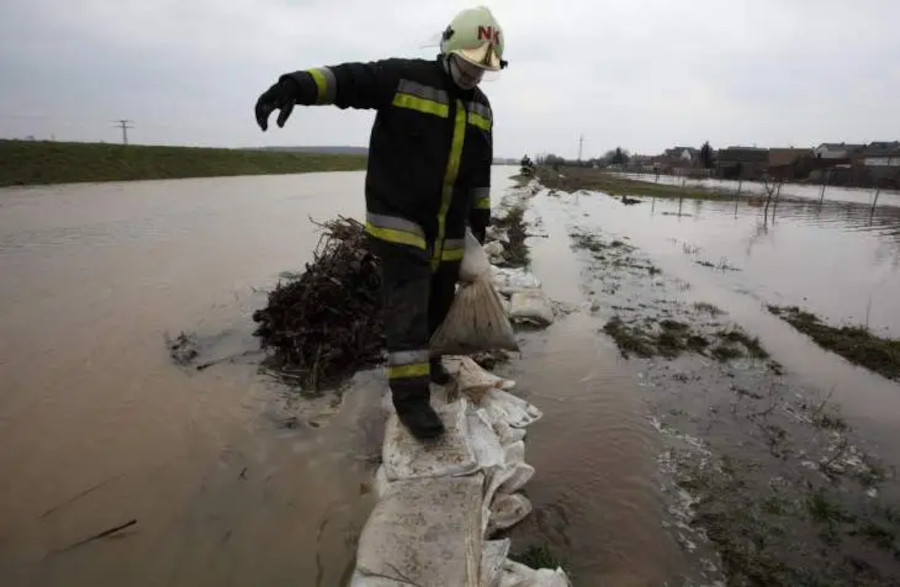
pixel 475 36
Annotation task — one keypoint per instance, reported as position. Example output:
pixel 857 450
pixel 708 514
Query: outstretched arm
pixel 348 85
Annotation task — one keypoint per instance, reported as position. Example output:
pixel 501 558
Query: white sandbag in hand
pixel 475 264
pixel 476 320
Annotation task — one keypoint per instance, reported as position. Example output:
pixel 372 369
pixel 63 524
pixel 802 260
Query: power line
pixel 124 124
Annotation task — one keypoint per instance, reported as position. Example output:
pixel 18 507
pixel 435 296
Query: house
pixel 686 154
pixel 742 162
pixel 787 164
pixel 640 164
pixel 837 150
pixel 881 154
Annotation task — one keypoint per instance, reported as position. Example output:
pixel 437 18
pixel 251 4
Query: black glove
pixel 281 96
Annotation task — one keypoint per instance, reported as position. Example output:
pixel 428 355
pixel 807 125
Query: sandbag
pixel 475 264
pixel 506 433
pixel 405 457
pixel 484 442
pixel 507 511
pixel 530 306
pixel 494 251
pixel 424 532
pixel 493 557
pixel 518 575
pixel 472 380
pixel 508 408
pixel 508 281
pixel 476 322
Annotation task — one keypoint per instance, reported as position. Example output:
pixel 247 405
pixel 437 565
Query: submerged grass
pixel 515 254
pixel 50 162
pixel 855 343
pixel 707 308
pixel 631 340
pixel 670 338
pixel 788 532
pixel 736 335
pixel 571 179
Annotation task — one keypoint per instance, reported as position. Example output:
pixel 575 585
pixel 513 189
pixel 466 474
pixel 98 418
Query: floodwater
pixel 233 480
pixel 837 260
pixel 98 427
pixel 595 493
pixel 788 190
pixel 230 478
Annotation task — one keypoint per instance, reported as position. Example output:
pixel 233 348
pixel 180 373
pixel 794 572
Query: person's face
pixel 466 75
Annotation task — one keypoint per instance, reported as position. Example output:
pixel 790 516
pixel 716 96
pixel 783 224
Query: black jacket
pixel 430 149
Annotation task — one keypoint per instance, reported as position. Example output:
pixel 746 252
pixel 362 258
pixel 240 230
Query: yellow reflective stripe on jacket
pixel 395 230
pixel 479 121
pixel 326 86
pixel 411 370
pixel 481 198
pixel 454 249
pixel 452 254
pixel 421 104
pixel 456 148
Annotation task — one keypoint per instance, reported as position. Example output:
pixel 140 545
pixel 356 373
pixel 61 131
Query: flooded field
pixel 776 459
pixel 233 479
pixel 790 190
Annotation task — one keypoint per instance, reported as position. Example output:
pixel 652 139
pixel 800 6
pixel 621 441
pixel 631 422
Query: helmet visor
pixel 484 56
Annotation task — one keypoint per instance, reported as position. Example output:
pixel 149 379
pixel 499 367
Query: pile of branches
pixel 326 322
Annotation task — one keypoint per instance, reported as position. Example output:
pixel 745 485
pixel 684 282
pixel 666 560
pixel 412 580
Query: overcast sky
pixel 643 74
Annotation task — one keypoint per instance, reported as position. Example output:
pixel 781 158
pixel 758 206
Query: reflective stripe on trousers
pixel 405 364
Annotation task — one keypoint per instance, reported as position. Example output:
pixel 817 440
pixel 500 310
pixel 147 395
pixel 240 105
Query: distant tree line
pixel 617 156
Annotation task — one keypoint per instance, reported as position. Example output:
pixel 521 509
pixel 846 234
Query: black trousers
pixel 416 301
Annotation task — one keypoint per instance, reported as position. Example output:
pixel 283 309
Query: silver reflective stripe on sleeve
pixel 422 91
pixel 408 357
pixel 326 85
pixel 479 109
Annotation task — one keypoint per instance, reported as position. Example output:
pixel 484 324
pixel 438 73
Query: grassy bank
pixel 40 162
pixel 855 343
pixel 571 179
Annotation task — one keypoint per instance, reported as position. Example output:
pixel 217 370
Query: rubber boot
pixel 416 414
pixel 439 374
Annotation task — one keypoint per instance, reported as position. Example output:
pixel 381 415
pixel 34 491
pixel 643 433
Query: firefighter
pixel 428 177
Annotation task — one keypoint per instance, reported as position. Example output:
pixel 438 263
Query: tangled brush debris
pixel 326 322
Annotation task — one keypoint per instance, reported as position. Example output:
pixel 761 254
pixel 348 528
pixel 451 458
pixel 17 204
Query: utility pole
pixel 580 145
pixel 124 124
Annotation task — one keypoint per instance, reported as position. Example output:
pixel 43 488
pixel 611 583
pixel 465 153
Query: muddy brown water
pixel 825 258
pixel 232 479
pixel 838 261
